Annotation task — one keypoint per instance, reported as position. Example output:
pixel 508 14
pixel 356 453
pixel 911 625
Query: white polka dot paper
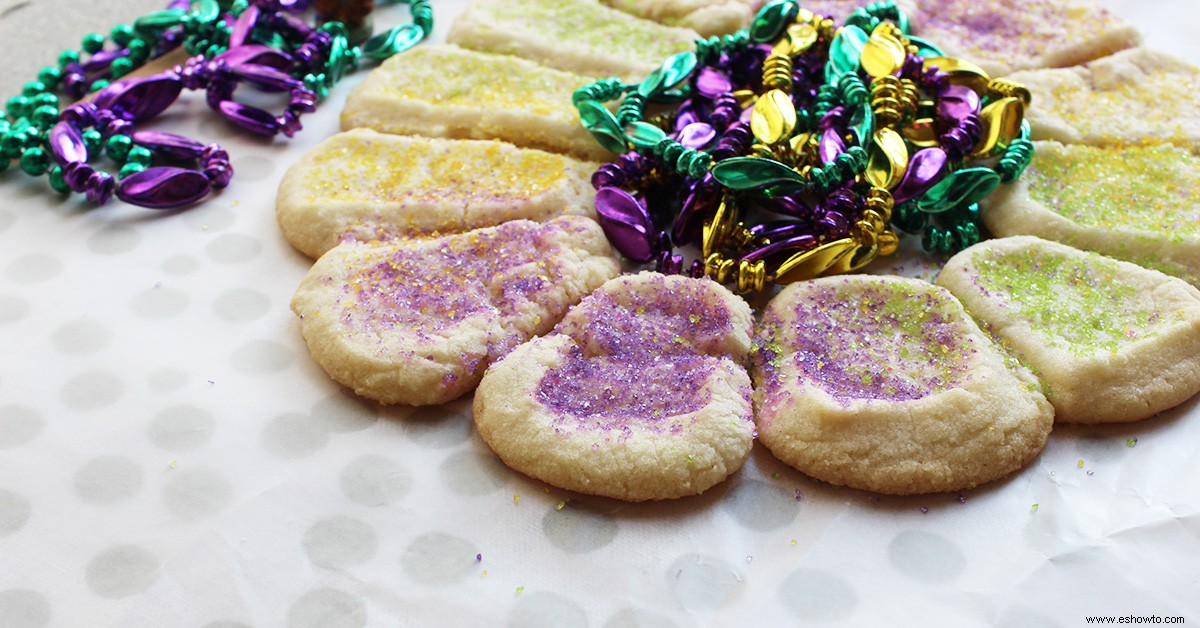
pixel 171 456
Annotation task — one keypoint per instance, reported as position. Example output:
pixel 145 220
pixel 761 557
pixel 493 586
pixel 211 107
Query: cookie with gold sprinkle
pixel 581 36
pixel 1002 37
pixel 417 321
pixel 447 91
pixel 639 394
pixel 1138 96
pixel 363 185
pixel 886 384
pixel 1111 341
pixel 706 17
pixel 1136 203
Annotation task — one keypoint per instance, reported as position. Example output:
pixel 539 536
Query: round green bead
pixel 11 144
pixel 17 107
pixel 92 43
pixel 92 140
pixel 50 75
pixel 98 85
pixel 45 116
pixel 130 168
pixel 118 147
pixel 4 126
pixel 34 161
pixel 33 88
pixel 140 155
pixel 121 34
pixel 122 66
pixel 139 51
pixel 66 58
pixel 43 99
pixel 56 181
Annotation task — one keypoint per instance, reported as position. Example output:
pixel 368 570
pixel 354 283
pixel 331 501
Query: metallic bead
pixel 883 53
pixel 774 117
pixel 888 159
pixel 55 176
pixel 92 43
pixel 139 155
pixel 961 72
pixel 1002 121
pixel 34 161
pixel 772 19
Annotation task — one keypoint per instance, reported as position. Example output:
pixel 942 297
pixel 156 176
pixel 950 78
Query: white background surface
pixel 170 456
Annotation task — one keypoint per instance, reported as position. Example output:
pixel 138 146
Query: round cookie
pixel 885 384
pixel 1111 341
pixel 417 321
pixel 640 393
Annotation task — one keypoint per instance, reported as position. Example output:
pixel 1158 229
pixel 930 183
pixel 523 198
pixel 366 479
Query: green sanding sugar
pixel 1146 188
pixel 1080 303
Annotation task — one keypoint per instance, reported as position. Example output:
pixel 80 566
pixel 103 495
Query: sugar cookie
pixel 1022 34
pixel 363 185
pixel 639 394
pixel 1135 203
pixel 418 321
pixel 1136 96
pixel 446 91
pixel 706 17
pixel 1111 341
pixel 581 36
pixel 885 384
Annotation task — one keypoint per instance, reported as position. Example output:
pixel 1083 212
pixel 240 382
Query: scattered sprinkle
pixel 749 559
pixel 1079 465
pixel 173 464
pixel 562 504
pixel 799 495
pixel 520 590
pixel 479 558
pixel 1131 441
pixel 1033 508
pixel 924 510
pixel 516 498
pixel 795 542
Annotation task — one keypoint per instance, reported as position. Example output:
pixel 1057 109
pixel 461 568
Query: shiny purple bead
pixel 214 152
pixel 102 60
pixel 99 187
pixel 76 175
pixel 140 99
pixel 169 144
pixel 66 144
pixel 249 118
pixel 711 82
pixel 789 246
pixel 266 77
pixel 925 169
pixel 956 102
pixel 244 26
pixel 257 54
pixel 219 173
pixel 626 223
pixel 696 135
pixel 701 202
pixel 163 187
pixel 830 146
pixel 302 100
pixel 289 123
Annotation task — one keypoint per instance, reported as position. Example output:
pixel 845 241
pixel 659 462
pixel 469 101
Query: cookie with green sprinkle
pixel 581 36
pixel 639 394
pixel 1111 341
pixel 886 384
pixel 417 321
pixel 1138 203
pixel 367 186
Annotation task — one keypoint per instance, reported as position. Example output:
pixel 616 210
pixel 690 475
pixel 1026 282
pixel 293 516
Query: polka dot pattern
pixel 170 454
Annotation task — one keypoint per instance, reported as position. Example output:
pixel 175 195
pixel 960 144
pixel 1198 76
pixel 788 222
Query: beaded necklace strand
pixel 262 43
pixel 796 149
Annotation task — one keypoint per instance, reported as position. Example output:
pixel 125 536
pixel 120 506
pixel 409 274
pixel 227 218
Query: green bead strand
pixel 57 183
pixel 117 147
pixel 92 43
pixel 34 161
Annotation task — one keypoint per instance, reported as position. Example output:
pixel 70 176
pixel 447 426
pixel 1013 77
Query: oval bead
pixel 718 227
pixel 711 82
pixel 921 133
pixel 66 144
pixel 862 124
pixel 258 54
pixel 748 173
pixel 697 135
pixel 956 102
pixel 1002 123
pixel 140 99
pixel 152 25
pixel 603 125
pixel 925 169
pixel 266 77
pixel 790 246
pixel 204 11
pixel 770 20
pixel 249 118
pixel 163 187
pixel 678 67
pixel 801 37
pixel 774 117
pixel 652 85
pixel 959 188
pixel 392 42
pixel 168 144
pixel 812 263
pixel 845 51
pixel 703 199
pixel 882 54
pixel 925 48
pixel 888 159
pixel 244 26
pixel 830 146
pixel 961 72
pixel 644 134
pixel 626 223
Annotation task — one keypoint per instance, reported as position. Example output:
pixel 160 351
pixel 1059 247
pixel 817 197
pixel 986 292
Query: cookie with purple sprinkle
pixel 364 185
pixel 886 384
pixel 1111 341
pixel 639 394
pixel 417 321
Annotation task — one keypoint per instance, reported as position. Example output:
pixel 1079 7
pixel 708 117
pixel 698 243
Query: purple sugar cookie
pixel 885 384
pixel 418 321
pixel 640 393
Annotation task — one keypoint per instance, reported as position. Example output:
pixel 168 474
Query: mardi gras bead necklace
pixel 796 149
pixel 260 43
